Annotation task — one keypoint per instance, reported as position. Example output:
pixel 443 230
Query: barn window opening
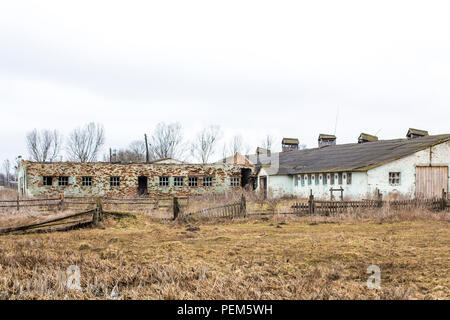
pixel 349 178
pixel 193 182
pixel 394 178
pixel 316 180
pixel 332 179
pixel 178 181
pixel 324 181
pixel 340 178
pixel 163 181
pixel 302 180
pixel 114 181
pixel 48 181
pixel 207 181
pixel 86 181
pixel 235 181
pixel 309 179
pixel 63 181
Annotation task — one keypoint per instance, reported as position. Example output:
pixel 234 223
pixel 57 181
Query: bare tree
pixel 236 145
pixel 134 153
pixel 85 143
pixel 166 141
pixel 204 144
pixel 267 142
pixel 43 145
pixel 7 171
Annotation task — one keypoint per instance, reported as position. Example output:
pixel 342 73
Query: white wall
pixel 364 185
pixel 379 176
pixel 357 189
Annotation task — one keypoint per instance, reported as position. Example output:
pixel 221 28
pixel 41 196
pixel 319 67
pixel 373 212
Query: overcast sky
pixel 253 67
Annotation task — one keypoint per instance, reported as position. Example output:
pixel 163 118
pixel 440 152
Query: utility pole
pixel 110 155
pixel 146 148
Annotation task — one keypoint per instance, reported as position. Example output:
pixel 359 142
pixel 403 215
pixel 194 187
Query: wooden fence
pixel 331 207
pixel 230 211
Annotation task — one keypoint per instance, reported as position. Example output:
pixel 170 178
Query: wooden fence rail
pixel 330 207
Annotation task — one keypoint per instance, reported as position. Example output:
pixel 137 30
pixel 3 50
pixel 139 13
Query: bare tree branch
pixel 203 146
pixel 43 145
pixel 85 143
pixel 166 141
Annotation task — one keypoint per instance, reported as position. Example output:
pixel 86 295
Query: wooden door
pixel 430 181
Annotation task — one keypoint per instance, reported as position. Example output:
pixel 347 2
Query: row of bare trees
pixel 167 141
pixel 84 144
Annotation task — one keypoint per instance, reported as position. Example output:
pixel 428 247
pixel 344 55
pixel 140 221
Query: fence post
pixel 176 208
pixel 99 208
pixel 311 202
pixel 342 194
pixel 18 203
pixel 443 200
pixel 243 206
pixel 157 203
pixel 380 198
pixel 61 201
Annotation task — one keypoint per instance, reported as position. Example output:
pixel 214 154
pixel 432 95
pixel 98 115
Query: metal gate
pixel 430 181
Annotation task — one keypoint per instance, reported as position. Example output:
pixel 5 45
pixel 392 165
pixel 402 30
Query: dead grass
pixel 281 257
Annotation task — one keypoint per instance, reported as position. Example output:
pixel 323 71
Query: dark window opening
pixel 235 181
pixel 47 180
pixel 193 182
pixel 349 178
pixel 178 181
pixel 394 178
pixel 163 181
pixel 114 181
pixel 207 181
pixel 86 181
pixel 63 181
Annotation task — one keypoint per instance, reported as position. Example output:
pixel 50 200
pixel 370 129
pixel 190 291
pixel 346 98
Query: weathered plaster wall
pixel 32 174
pixel 378 177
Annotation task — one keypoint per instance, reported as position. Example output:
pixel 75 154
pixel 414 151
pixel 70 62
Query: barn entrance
pixel 142 185
pixel 430 181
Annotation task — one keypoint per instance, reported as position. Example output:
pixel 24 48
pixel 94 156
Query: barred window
pixel 340 178
pixel 86 181
pixel 332 179
pixel 47 180
pixel 63 181
pixel 178 181
pixel 114 181
pixel 394 178
pixel 163 181
pixel 302 180
pixel 316 180
pixel 235 182
pixel 193 181
pixel 349 178
pixel 324 181
pixel 309 179
pixel 207 181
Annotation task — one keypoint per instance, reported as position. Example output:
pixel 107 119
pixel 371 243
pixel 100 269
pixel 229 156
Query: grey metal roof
pixel 353 156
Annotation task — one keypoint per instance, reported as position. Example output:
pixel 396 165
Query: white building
pixel 413 167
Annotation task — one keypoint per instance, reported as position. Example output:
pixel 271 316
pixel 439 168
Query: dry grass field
pixel 276 257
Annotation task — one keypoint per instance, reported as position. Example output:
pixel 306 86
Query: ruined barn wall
pixel 128 174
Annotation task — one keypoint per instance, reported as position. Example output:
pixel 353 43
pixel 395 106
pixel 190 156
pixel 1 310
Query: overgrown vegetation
pixel 276 257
